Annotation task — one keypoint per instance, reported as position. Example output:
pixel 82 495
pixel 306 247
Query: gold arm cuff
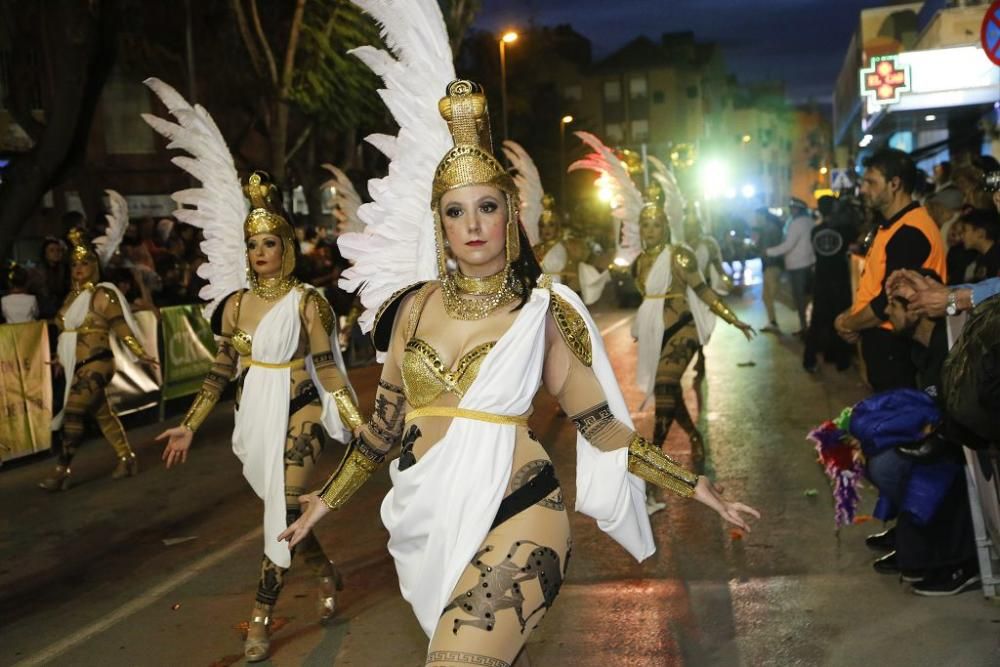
pixel 347 408
pixel 199 410
pixel 720 308
pixel 648 461
pixel 358 465
pixel 134 346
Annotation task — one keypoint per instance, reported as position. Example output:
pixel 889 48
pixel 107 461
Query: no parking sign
pixel 989 34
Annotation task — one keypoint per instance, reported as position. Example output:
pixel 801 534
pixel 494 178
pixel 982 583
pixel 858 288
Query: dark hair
pixel 525 268
pixel 18 277
pixel 984 219
pixel 826 204
pixel 893 163
pixel 50 240
pixel 945 169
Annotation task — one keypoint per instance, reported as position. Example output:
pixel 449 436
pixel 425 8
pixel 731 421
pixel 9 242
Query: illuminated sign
pixel 884 80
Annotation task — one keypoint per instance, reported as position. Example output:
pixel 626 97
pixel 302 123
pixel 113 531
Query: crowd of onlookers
pixel 930 251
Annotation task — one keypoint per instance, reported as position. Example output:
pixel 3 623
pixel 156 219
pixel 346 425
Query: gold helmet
pixel 265 217
pixel 652 213
pixel 82 249
pixel 471 160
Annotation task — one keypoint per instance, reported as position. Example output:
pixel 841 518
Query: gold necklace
pixel 456 288
pixel 81 288
pixel 271 289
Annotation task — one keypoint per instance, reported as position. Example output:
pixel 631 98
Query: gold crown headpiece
pixel 265 217
pixel 471 161
pixel 82 249
pixel 548 202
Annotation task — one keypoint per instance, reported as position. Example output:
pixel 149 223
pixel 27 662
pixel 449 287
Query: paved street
pixel 160 569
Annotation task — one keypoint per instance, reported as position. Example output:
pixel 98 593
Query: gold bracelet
pixel 720 308
pixel 347 408
pixel 648 461
pixel 134 346
pixel 358 465
pixel 199 410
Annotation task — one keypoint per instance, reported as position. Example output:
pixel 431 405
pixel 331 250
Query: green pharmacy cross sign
pixel 885 80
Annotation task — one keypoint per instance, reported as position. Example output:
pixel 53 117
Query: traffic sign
pixel 841 179
pixel 989 34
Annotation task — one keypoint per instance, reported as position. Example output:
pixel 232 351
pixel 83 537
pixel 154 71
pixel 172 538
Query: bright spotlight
pixel 930 117
pixel 865 141
pixel 748 191
pixel 509 37
pixel 621 261
pixel 730 193
pixel 566 120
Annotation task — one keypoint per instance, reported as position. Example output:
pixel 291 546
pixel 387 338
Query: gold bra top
pixel 425 376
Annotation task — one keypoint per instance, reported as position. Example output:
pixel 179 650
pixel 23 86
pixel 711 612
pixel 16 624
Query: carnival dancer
pixel 93 312
pixel 477 525
pixel 276 334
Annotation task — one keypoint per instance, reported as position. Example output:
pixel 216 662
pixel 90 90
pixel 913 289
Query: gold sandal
pixel 329 584
pixel 128 466
pixel 59 481
pixel 257 648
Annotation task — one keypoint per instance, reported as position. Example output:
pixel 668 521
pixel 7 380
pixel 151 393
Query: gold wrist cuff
pixel 199 410
pixel 720 308
pixel 347 408
pixel 134 346
pixel 358 465
pixel 648 461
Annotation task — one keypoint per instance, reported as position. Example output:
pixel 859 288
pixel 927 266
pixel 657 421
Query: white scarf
pixel 592 282
pixel 648 325
pixel 73 318
pixel 440 509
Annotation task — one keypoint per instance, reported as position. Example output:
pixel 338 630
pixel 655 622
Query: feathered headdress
pixel 529 186
pixel 348 201
pixel 102 248
pixel 673 200
pixel 626 201
pixel 217 207
pixel 396 247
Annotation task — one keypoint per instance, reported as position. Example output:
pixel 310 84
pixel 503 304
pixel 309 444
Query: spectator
pixel 50 280
pixel 832 285
pixel 135 255
pixel 980 230
pixel 929 298
pixel 131 286
pixel 969 180
pixel 173 291
pixel 19 306
pixel 769 235
pixel 942 176
pixel 906 237
pixel 797 251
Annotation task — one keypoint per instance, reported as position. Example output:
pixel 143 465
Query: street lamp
pixel 508 37
pixel 563 122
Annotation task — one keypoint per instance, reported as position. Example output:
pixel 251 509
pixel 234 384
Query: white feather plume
pixel 396 247
pixel 218 207
pixel 626 200
pixel 529 186
pixel 673 204
pixel 106 245
pixel 347 200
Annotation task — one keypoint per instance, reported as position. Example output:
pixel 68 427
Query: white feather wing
pixel 673 203
pixel 626 200
pixel 217 207
pixel 396 247
pixel 529 186
pixel 117 217
pixel 347 199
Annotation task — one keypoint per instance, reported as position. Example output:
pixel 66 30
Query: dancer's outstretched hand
pixel 746 330
pixel 732 511
pixel 178 442
pixel 313 509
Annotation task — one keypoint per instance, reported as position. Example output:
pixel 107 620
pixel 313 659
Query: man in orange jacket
pixel 906 238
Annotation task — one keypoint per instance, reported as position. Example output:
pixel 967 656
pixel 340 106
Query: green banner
pixel 188 350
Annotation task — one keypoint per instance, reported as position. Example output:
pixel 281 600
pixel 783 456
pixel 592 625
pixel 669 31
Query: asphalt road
pixel 160 569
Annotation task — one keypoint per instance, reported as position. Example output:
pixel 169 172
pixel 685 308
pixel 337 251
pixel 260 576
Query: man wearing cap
pixel 797 250
pixel 906 238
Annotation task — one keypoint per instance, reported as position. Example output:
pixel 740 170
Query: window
pixel 574 93
pixel 614 132
pixel 640 130
pixel 637 86
pixel 612 91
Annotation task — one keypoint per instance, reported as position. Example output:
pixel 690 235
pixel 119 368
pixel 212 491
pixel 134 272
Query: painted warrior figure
pixel 277 337
pixel 92 313
pixel 469 329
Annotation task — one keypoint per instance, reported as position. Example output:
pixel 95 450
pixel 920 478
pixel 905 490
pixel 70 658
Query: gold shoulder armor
pixel 572 327
pixel 685 258
pixel 109 294
pixel 323 309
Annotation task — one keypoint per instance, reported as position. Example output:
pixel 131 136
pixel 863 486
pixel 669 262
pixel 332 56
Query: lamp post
pixel 563 122
pixel 507 38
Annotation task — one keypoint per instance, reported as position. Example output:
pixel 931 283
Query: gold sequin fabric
pixel 572 328
pixel 242 342
pixel 425 376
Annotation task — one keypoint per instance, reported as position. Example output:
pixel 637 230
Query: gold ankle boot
pixel 257 646
pixel 329 584
pixel 59 481
pixel 128 466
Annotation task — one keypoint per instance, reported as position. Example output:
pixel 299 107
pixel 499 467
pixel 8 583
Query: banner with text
pixel 188 350
pixel 25 390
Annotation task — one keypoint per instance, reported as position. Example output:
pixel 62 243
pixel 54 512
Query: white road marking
pixel 620 323
pixel 139 603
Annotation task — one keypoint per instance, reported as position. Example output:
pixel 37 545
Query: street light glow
pixel 823 170
pixel 747 138
pixel 566 120
pixel 730 193
pixel 748 191
pixel 509 36
pixel 930 117
pixel 865 140
pixel 714 177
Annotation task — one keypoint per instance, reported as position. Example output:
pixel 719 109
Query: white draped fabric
pixel 555 260
pixel 439 510
pixel 648 325
pixel 73 318
pixel 592 282
pixel 704 318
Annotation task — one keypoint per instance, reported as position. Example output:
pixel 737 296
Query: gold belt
pixel 294 363
pixel 83 330
pixel 672 295
pixel 475 415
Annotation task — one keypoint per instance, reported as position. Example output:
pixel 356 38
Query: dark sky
pixel 802 42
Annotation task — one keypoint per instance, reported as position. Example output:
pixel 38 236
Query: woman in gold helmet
pixel 477 523
pixel 93 312
pixel 292 391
